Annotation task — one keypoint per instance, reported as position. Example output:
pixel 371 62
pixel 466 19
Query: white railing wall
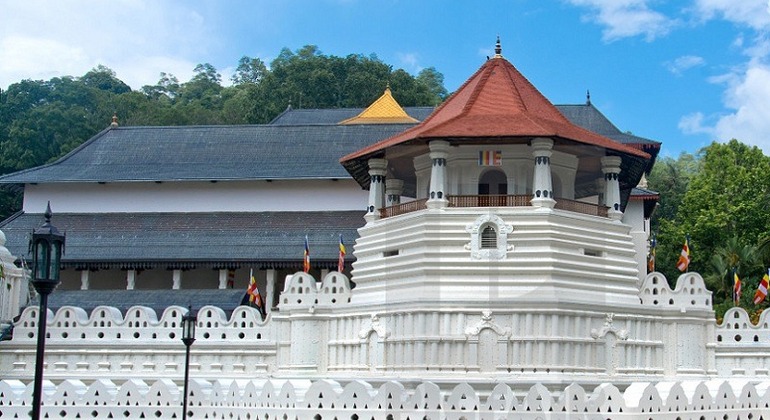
pixel 305 400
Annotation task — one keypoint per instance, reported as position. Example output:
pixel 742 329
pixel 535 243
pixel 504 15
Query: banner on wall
pixel 490 158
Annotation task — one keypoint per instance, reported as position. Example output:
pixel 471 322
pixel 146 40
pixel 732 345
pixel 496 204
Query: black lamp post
pixel 47 247
pixel 188 337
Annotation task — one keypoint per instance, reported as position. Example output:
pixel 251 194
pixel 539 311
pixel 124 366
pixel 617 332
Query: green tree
pixel 104 78
pixel 249 70
pixel 723 211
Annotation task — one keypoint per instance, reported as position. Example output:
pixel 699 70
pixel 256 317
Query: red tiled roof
pixel 497 102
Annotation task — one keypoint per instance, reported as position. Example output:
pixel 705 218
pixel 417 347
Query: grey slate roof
pixel 333 116
pixel 298 144
pixel 158 300
pixel 183 240
pixel 588 117
pixel 209 153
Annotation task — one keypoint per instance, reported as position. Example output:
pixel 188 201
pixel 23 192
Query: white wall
pixel 196 196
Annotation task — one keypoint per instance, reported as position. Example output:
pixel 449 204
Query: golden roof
pixel 385 110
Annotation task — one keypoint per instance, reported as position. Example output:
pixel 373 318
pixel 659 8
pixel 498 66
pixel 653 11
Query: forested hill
pixel 43 120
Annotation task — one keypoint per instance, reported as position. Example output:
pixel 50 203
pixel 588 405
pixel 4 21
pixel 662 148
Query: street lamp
pixel 188 337
pixel 47 247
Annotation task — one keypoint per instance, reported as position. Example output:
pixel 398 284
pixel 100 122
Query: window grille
pixel 489 238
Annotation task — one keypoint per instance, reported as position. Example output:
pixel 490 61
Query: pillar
pixel 270 277
pixel 223 278
pixel 84 279
pixel 542 188
pixel 177 280
pixel 324 272
pixel 377 170
pixel 393 190
pixel 439 150
pixel 611 171
pixel 130 279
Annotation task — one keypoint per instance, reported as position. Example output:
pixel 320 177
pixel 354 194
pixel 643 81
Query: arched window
pixel 489 238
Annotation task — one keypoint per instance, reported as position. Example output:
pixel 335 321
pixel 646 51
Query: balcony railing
pixel 489 200
pixel 581 207
pixel 495 201
pixel 403 208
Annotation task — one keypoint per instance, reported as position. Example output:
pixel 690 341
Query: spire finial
pixel 114 122
pixel 387 87
pixel 498 48
pixel 588 97
pixel 48 213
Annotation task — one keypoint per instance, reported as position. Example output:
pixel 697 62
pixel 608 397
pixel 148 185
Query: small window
pixel 489 238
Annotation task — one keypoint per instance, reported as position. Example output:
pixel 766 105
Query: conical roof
pixel 385 110
pixel 496 102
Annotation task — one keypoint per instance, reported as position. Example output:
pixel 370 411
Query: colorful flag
pixel 255 298
pixel 684 258
pixel 761 293
pixel 736 288
pixel 306 258
pixel 490 158
pixel 651 257
pixel 341 259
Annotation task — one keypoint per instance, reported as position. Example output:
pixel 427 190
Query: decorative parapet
pixel 737 329
pixel 139 327
pixel 302 292
pixel 305 400
pixel 690 292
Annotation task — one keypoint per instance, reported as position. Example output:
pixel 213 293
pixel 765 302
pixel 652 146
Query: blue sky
pixel 681 72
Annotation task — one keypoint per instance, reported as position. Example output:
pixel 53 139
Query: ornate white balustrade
pixel 305 400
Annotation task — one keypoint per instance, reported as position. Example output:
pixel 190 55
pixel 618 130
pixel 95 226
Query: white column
pixel 542 188
pixel 130 279
pixel 84 279
pixel 223 278
pixel 393 190
pixel 177 280
pixel 324 272
pixel 439 150
pixel 377 170
pixel 269 289
pixel 611 171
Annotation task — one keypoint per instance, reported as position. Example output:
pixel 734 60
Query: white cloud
pixel 410 62
pixel 752 13
pixel 747 86
pixel 748 97
pixel 694 124
pixel 627 18
pixel 685 62
pixel 136 38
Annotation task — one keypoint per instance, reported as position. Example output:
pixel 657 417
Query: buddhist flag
pixel 761 293
pixel 490 158
pixel 255 299
pixel 736 288
pixel 341 259
pixel 306 257
pixel 651 257
pixel 684 257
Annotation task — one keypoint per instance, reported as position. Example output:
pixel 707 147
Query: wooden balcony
pixel 495 201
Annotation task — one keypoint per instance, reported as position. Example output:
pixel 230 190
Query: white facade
pixel 195 196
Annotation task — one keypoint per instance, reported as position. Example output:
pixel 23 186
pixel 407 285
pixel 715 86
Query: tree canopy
pixel 41 121
pixel 719 198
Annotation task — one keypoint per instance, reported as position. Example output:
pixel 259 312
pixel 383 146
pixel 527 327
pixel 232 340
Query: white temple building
pixel 499 271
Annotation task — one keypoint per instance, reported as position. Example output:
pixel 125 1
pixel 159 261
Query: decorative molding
pixel 487 322
pixel 374 326
pixel 608 327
